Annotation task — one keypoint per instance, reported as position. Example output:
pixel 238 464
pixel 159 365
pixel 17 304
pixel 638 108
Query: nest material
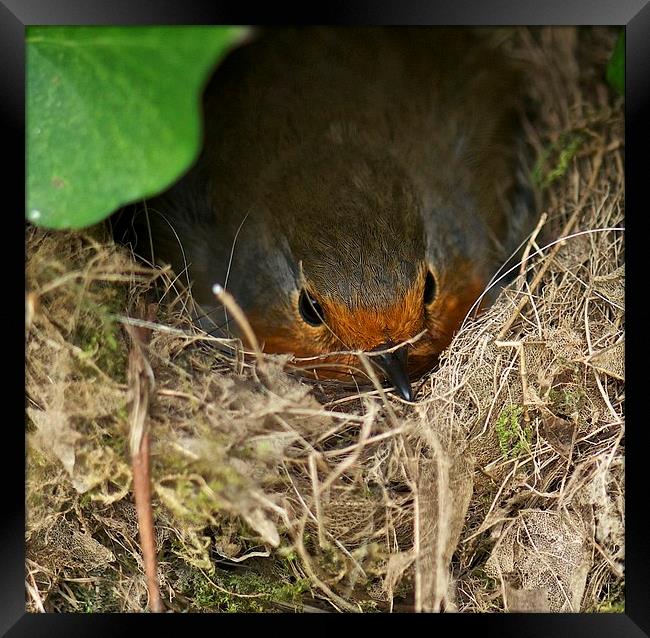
pixel 502 489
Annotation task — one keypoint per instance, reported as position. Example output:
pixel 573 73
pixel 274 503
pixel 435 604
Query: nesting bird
pixel 356 191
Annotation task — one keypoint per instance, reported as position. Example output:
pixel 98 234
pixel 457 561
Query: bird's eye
pixel 310 310
pixel 429 288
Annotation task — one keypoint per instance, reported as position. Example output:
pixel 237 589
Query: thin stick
pixel 34 593
pixel 313 473
pixel 532 241
pixel 229 302
pixel 141 383
pixel 142 489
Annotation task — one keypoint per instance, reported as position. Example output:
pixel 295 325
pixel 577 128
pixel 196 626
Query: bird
pixel 356 191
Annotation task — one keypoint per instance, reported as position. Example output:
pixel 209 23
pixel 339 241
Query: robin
pixel 354 192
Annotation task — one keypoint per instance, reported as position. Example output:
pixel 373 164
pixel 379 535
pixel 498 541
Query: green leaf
pixel 113 114
pixel 616 65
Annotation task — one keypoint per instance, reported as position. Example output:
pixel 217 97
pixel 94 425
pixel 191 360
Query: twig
pixel 230 304
pixel 532 241
pixel 313 474
pixel 141 383
pixel 142 489
pixel 32 588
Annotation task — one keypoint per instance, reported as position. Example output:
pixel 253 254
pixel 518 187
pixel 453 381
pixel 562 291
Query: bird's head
pixel 366 273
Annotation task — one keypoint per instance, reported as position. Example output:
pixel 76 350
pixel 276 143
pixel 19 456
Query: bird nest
pixel 502 488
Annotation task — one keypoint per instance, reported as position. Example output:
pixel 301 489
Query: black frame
pixel 633 14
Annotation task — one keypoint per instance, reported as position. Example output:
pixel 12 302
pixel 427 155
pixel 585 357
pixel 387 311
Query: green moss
pixel 613 601
pixel 554 161
pixel 197 504
pixel 288 555
pixel 612 607
pixel 101 344
pixel 96 330
pixel 513 438
pixel 244 582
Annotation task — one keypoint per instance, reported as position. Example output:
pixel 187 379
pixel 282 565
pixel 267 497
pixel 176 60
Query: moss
pixel 192 548
pixel 190 500
pixel 239 586
pixel 612 607
pixel 514 439
pixel 613 601
pixel 289 556
pixel 554 161
pixel 99 340
pixel 96 330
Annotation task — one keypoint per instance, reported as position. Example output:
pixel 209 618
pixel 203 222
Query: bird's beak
pixel 393 365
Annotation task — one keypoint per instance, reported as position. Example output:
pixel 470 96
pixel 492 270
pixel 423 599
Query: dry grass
pixel 502 489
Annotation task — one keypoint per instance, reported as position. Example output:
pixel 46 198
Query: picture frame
pixel 15 15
